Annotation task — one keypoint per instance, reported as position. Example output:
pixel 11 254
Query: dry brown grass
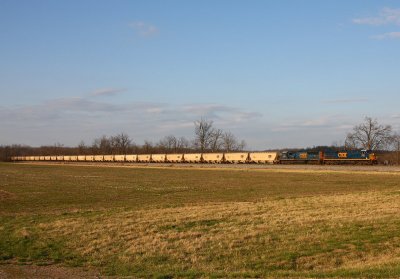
pixel 210 236
pixel 6 195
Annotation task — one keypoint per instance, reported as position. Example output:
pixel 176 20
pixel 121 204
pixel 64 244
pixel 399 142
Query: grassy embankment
pixel 188 223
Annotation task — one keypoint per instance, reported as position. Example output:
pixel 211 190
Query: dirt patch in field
pixel 32 271
pixel 4 195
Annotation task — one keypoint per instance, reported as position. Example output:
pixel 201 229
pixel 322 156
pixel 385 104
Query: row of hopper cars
pixel 287 157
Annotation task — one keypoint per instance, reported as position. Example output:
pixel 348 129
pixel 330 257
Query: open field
pixel 346 168
pixel 182 222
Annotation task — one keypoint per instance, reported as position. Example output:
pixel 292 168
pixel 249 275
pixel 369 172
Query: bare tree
pixel 162 145
pixel 183 144
pixel 369 135
pixel 396 146
pixel 102 145
pixel 216 140
pixel 120 143
pixel 147 147
pixel 230 143
pixel 82 148
pixel 242 145
pixel 168 143
pixel 203 130
pixel 56 148
pixel 172 144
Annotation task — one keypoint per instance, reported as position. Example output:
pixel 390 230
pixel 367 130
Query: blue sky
pixel 275 73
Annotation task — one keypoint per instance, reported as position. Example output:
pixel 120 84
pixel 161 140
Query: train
pixel 285 157
pixel 329 157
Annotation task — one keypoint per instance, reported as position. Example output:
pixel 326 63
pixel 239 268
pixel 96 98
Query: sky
pixel 275 73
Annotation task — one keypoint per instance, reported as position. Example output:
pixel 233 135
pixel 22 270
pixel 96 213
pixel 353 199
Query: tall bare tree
pixel 369 135
pixel 120 143
pixel 203 130
pixel 216 140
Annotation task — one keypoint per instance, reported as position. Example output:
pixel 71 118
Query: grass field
pixel 201 223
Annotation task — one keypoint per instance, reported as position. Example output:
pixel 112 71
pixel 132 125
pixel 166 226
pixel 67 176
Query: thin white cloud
pixel 332 122
pixel 220 112
pixel 68 120
pixel 106 92
pixel 346 101
pixel 386 16
pixel 155 110
pixel 389 35
pixel 144 29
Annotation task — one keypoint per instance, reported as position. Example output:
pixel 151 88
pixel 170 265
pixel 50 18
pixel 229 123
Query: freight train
pixel 287 157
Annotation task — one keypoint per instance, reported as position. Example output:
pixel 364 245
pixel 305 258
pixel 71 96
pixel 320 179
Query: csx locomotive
pixel 286 157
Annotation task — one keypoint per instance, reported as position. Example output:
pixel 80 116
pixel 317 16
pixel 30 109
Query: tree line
pixel 369 135
pixel 207 138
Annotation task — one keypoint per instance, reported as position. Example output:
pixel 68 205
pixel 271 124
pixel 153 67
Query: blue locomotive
pixel 353 156
pixel 328 157
pixel 301 157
